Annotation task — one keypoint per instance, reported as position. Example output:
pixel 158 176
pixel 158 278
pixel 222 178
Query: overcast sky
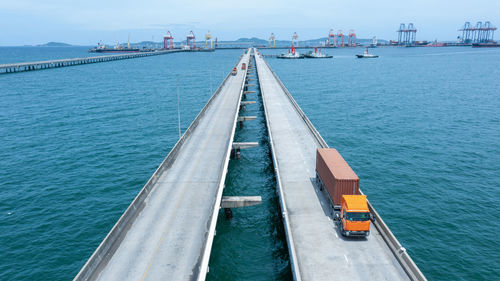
pixel 25 22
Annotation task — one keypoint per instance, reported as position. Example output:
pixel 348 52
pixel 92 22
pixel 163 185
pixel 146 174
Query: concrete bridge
pixel 167 231
pixel 317 251
pixel 39 65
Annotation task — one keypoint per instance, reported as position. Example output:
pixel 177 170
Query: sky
pixel 31 22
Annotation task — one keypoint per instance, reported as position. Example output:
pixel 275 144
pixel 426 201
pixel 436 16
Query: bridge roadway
pixel 317 249
pixel 39 65
pixel 167 232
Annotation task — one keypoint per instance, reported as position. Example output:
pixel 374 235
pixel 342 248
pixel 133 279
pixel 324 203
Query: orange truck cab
pixel 354 216
pixel 243 66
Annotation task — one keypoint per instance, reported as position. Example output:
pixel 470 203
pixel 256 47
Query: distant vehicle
pixel 366 55
pixel 342 185
pixel 234 72
pixel 243 66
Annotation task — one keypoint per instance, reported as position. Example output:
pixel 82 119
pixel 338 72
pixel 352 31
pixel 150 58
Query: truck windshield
pixel 358 216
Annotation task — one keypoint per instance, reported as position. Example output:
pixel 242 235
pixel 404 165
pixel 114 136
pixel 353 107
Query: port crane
pixel 351 38
pixel 407 35
pixel 295 40
pixel 340 35
pixel 191 40
pixel 208 37
pixel 272 42
pixel 168 41
pixel 331 38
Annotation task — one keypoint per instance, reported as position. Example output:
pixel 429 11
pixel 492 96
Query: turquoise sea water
pixel 420 126
pixel 29 54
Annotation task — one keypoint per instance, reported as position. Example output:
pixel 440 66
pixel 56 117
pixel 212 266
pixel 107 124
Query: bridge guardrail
pixel 108 246
pixel 284 209
pixel 399 252
pixel 204 258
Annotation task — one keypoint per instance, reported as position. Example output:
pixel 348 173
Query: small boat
pixel 366 55
pixel 317 54
pixel 292 54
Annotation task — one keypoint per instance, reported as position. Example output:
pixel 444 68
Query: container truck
pixel 334 175
pixel 354 216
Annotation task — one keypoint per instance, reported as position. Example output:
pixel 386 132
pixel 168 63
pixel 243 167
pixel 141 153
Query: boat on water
pixel 317 54
pixel 486 45
pixel 101 48
pixel 366 55
pixel 292 54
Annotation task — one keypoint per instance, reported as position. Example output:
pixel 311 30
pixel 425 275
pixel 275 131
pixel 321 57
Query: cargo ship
pixel 486 45
pixel 101 48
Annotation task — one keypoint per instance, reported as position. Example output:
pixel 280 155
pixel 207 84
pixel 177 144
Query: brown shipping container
pixel 336 174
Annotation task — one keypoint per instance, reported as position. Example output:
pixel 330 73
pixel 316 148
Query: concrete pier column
pixel 238 146
pixel 242 119
pixel 229 213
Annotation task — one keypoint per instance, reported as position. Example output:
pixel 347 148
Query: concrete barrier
pixel 202 265
pixel 284 210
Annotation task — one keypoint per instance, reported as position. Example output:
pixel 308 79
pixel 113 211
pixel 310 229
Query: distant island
pixel 54 44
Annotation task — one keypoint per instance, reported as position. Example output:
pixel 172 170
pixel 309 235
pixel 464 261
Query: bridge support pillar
pixel 229 213
pixel 229 202
pixel 238 146
pixel 242 119
pixel 243 104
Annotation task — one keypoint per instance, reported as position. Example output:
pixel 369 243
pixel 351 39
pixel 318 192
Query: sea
pixel 419 126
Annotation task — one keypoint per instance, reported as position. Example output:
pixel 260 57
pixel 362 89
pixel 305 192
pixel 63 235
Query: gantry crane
pixel 191 40
pixel 340 36
pixel 272 42
pixel 168 41
pixel 351 39
pixel 295 39
pixel 208 37
pixel 331 38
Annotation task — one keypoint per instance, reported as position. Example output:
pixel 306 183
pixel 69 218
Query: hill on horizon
pixel 54 44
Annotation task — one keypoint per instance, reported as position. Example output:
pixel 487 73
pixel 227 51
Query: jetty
pixel 47 64
pixel 167 231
